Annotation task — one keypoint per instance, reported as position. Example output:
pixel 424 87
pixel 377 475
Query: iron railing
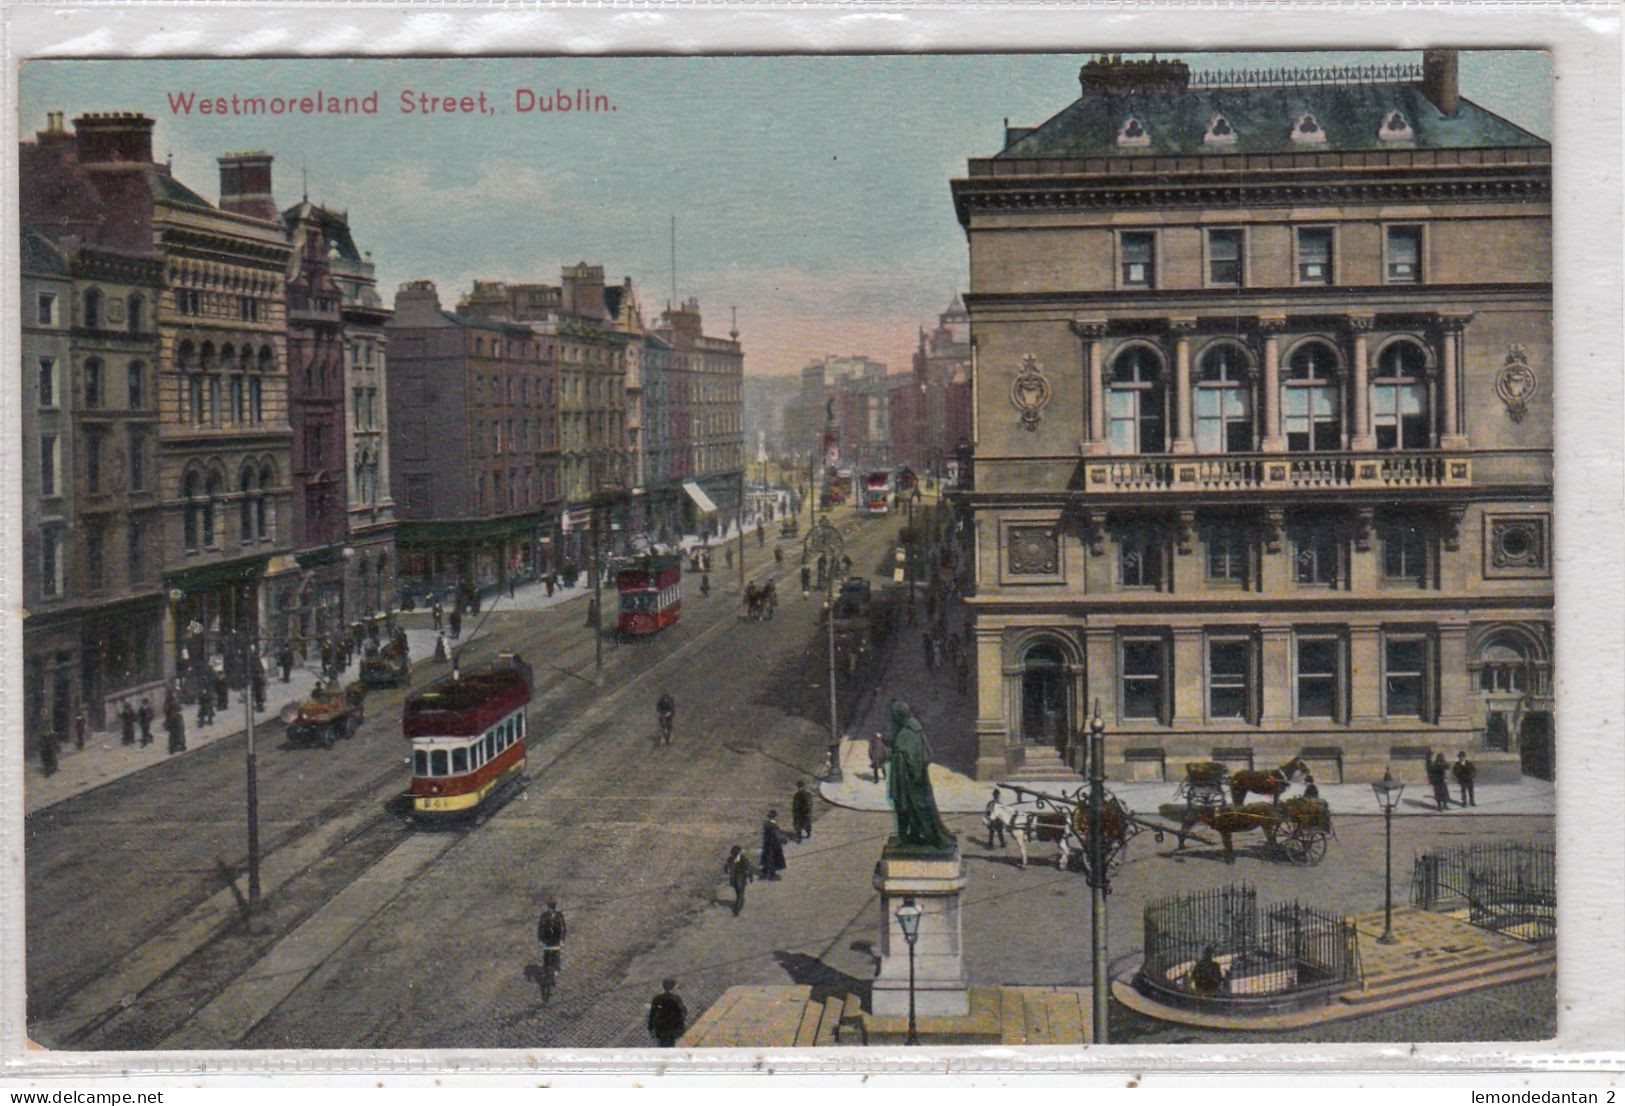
pixel 1281 949
pixel 1507 886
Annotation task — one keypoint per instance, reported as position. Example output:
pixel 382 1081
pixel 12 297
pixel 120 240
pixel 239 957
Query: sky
pixel 811 192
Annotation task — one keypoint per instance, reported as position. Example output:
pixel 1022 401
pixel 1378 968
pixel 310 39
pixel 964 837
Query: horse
pixel 1272 783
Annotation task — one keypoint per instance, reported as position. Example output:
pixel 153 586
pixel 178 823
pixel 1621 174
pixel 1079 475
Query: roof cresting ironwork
pixel 1312 75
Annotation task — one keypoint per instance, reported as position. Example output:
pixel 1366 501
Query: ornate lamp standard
pixel 826 540
pixel 1388 792
pixel 908 919
pixel 1097 871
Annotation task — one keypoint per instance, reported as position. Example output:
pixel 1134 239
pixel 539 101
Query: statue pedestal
pixel 934 879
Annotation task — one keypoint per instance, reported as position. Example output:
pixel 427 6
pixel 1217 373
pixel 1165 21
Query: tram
pixel 468 738
pixel 875 493
pixel 651 593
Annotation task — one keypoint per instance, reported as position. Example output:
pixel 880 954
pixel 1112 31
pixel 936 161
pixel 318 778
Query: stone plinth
pixel 934 880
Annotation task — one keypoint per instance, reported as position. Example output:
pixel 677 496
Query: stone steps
pixel 1042 764
pixel 1470 975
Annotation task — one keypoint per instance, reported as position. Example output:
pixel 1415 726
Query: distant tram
pixel 876 493
pixel 651 593
pixel 468 738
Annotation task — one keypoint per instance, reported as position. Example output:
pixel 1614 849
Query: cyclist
pixel 550 930
pixel 665 710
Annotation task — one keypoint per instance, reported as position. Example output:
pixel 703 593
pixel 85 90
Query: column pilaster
pixel 1360 437
pixel 1450 432
pixel 1092 331
pixel 1270 328
pixel 1184 440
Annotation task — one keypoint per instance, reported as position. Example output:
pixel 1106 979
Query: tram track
pixel 117 1001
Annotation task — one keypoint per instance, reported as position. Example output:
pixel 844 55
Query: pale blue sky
pixel 812 192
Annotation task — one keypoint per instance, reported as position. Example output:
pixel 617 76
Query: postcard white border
pixel 1590 527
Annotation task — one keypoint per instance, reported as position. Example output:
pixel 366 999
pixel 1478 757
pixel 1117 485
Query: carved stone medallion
pixel 1030 392
pixel 1034 551
pixel 1516 383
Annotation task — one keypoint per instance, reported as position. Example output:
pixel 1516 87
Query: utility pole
pixel 741 533
pixel 1097 872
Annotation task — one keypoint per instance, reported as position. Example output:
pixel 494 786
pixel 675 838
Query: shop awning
pixel 697 494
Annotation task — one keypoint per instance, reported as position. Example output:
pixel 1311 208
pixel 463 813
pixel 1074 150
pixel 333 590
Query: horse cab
pixel 467 732
pixel 651 593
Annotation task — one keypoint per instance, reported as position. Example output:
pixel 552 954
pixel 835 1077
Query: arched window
pixel 262 505
pixel 1224 402
pixel 93 382
pixel 1399 397
pixel 1311 411
pixel 1043 696
pixel 267 359
pixel 185 356
pixel 1503 666
pixel 245 507
pixel 211 509
pixel 93 309
pixel 245 359
pixel 206 356
pixel 193 516
pixel 1134 407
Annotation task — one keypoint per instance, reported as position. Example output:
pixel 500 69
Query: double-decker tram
pixel 468 738
pixel 876 493
pixel 651 593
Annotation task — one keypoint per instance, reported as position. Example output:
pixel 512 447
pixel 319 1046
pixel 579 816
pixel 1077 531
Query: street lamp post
pixel 253 778
pixel 1388 792
pixel 826 539
pixel 908 919
pixel 1097 871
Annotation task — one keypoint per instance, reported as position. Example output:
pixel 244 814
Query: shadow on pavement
pixel 824 980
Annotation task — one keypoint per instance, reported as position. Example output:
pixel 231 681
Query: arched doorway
pixel 1537 753
pixel 1044 697
pixel 1510 680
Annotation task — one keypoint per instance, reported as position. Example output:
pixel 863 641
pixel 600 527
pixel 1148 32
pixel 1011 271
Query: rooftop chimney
pixel 1439 83
pixel 584 290
pixel 245 185
pixel 110 138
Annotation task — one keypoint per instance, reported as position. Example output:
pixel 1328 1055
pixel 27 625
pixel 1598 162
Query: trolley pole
pixel 1097 872
pixel 741 535
pixel 253 789
pixel 597 604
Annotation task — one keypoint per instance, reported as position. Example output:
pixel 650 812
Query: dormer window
pixel 1395 129
pixel 1133 133
pixel 1219 132
pixel 1305 128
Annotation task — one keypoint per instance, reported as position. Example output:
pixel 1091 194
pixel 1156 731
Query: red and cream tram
pixel 651 593
pixel 468 738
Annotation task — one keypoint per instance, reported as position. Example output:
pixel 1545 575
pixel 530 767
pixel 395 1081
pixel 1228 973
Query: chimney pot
pixel 245 185
pixel 1440 81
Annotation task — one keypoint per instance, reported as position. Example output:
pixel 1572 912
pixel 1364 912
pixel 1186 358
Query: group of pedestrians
pixel 738 869
pixel 1464 772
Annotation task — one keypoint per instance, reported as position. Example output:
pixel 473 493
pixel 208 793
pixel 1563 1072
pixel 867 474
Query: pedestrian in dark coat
pixel 144 715
pixel 126 717
pixel 456 624
pixel 284 660
pixel 327 658
pixel 877 756
pixel 930 644
pixel 1465 772
pixel 1437 771
pixel 801 811
pixel 221 700
pixel 205 706
pixel 256 675
pixel 174 726
pixel 48 749
pixel 740 874
pixel 806 580
pixel 81 727
pixel 772 860
pixel 668 1017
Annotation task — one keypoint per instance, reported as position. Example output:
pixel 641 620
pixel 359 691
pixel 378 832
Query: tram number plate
pixel 436 804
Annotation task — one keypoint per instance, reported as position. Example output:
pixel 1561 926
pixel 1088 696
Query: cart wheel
pixel 327 737
pixel 1306 846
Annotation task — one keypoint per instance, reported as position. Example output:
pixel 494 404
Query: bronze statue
pixel 908 784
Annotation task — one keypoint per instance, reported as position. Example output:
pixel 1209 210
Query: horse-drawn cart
pixel 1299 828
pixel 327 715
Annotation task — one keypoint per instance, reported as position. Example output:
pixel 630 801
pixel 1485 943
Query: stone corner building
pixel 1263 456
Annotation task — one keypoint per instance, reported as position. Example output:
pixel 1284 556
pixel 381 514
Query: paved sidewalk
pixel 949 721
pixel 105 758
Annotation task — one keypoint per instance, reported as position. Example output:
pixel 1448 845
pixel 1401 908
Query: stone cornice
pixel 996 194
pixel 1261 301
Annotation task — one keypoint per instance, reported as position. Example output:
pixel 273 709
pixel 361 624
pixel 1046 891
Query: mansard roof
pixel 334 225
pixel 1262 122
